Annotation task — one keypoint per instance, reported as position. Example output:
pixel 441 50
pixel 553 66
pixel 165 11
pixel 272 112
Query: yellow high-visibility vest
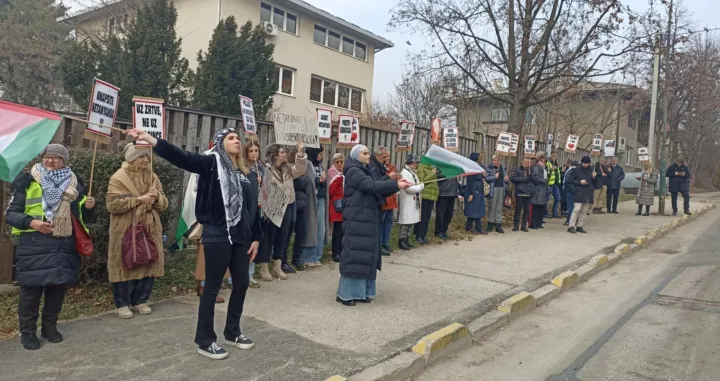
pixel 33 207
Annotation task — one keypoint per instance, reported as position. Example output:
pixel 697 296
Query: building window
pixel 336 41
pixel 285 79
pixel 530 117
pixel 333 94
pixel 500 114
pixel 112 26
pixel 282 19
pixel 629 156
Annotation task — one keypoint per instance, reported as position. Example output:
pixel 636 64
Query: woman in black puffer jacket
pixel 360 258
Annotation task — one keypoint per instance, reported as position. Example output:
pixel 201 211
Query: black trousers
pixel 337 239
pixel 537 215
pixel 292 211
pixel 275 239
pixel 686 201
pixel 473 221
pixel 522 207
pixel 421 228
pixel 444 213
pixel 613 196
pixel 29 306
pixel 218 258
pixel 132 292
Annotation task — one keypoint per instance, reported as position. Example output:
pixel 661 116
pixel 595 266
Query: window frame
pixel 282 69
pixel 499 120
pixel 343 37
pixel 628 156
pixel 336 101
pixel 112 26
pixel 285 18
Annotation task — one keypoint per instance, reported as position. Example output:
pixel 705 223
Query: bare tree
pixel 422 95
pixel 540 49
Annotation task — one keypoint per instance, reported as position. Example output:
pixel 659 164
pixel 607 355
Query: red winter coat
pixel 336 192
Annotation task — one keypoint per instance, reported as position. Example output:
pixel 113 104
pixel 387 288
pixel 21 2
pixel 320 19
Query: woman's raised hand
pixel 404 184
pixel 137 134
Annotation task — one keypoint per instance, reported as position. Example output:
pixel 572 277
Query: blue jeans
pixel 570 205
pixel 322 221
pixel 386 223
pixel 554 190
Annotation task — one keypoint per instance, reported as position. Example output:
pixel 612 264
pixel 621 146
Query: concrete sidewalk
pixel 303 334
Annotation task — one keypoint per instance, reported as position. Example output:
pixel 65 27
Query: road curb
pixel 445 341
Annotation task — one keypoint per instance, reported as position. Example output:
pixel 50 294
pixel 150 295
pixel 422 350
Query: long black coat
pixel 360 257
pixel 678 183
pixel 41 259
pixel 538 176
pixel 523 183
pixel 583 194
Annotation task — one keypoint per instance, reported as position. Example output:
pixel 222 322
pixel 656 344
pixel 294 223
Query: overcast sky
pixel 374 15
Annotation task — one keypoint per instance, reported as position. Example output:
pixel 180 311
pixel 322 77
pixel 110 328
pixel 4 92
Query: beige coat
pixel 121 203
pixel 296 170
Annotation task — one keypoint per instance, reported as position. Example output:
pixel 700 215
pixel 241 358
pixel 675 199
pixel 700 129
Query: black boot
pixel 51 334
pixel 639 212
pixel 647 211
pixel 30 341
pixel 490 227
pixel 499 228
pixel 403 244
pixel 524 227
pixel 516 226
pixel 420 240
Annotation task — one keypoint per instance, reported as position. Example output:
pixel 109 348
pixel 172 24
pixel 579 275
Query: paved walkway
pixel 303 334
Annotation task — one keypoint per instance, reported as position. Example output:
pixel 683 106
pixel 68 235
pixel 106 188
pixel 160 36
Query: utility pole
pixel 653 100
pixel 663 137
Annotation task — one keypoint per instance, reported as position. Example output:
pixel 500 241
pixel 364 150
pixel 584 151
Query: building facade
pixel 322 61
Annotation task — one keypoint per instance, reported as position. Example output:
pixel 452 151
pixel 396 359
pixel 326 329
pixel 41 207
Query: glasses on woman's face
pixel 339 161
pixel 51 159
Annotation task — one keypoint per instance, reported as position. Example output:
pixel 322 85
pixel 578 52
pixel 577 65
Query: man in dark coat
pixel 445 206
pixel 581 180
pixel 523 190
pixel 615 176
pixel 538 199
pixel 679 174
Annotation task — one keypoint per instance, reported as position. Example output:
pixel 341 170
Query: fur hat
pixel 57 150
pixel 133 153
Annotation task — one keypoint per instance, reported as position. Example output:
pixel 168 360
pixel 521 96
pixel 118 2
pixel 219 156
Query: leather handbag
pixel 138 248
pixel 83 243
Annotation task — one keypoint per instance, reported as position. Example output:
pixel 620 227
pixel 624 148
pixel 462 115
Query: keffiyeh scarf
pixel 59 189
pixel 230 179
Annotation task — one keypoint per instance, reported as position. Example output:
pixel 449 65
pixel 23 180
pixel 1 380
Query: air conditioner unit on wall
pixel 621 144
pixel 270 28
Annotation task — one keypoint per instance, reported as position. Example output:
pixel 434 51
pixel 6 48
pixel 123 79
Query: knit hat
pixel 410 159
pixel 57 150
pixel 586 159
pixel 133 153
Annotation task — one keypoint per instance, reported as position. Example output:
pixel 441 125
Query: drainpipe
pixel 219 11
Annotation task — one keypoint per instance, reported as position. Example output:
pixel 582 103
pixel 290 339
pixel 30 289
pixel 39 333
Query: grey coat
pixel 308 217
pixel 538 176
pixel 646 192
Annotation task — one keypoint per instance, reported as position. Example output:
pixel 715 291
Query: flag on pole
pixel 24 134
pixel 451 164
pixel 187 214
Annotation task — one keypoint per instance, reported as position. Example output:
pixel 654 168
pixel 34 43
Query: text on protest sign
pixel 529 150
pixel 324 121
pixel 503 143
pixel 643 154
pixel 514 141
pixel 571 144
pixel 291 128
pixel 248 114
pixel 597 144
pixel 273 201
pixel 103 107
pixel 406 134
pixel 149 116
pixel 609 148
pixel 549 143
pixel 451 139
pixel 348 130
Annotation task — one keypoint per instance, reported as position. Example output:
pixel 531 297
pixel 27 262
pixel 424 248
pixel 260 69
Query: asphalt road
pixel 654 316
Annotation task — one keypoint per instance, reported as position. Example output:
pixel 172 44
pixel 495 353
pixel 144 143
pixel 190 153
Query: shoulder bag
pixel 138 248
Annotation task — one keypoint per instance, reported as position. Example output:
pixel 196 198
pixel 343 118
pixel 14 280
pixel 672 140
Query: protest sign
pixel 436 130
pixel 149 116
pixel 405 136
pixel 504 142
pixel 451 139
pixel 348 131
pixel 549 144
pixel 273 201
pixel 102 111
pixel 609 148
pixel 514 141
pixel 643 154
pixel 292 128
pixel 529 150
pixel 324 125
pixel 248 114
pixel 571 144
pixel 597 145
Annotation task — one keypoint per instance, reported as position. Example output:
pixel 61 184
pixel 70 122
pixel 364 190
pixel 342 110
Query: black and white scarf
pixel 54 184
pixel 230 178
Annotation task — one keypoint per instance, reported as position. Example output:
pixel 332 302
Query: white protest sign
pixel 643 154
pixel 103 107
pixel 609 148
pixel 549 144
pixel 571 144
pixel 348 130
pixel 597 144
pixel 273 202
pixel 451 139
pixel 504 141
pixel 248 114
pixel 514 141
pixel 406 135
pixel 529 150
pixel 291 128
pixel 324 121
pixel 149 116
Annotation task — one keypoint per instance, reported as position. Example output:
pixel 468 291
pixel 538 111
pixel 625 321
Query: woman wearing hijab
pixel 336 194
pixel 134 194
pixel 41 212
pixel 361 259
pixel 409 202
pixel 227 207
pixel 316 156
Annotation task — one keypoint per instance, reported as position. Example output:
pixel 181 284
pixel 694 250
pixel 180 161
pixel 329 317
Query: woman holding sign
pixel 227 207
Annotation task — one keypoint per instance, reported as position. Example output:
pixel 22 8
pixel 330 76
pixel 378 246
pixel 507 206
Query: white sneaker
pixel 214 352
pixel 241 342
pixel 142 309
pixel 125 313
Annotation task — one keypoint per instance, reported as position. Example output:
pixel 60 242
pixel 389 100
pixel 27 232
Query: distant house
pixel 615 110
pixel 322 60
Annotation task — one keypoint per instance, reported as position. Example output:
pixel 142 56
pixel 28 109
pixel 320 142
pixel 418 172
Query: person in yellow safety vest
pixel 43 203
pixel 554 182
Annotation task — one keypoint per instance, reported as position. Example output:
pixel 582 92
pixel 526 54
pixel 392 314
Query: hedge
pixel 94 268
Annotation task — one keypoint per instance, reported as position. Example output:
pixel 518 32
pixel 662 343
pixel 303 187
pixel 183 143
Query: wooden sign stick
pixel 92 166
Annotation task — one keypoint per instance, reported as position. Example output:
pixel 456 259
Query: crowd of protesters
pixel 359 198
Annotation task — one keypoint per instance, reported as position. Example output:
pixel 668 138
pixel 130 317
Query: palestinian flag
pixel 187 215
pixel 24 134
pixel 450 163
